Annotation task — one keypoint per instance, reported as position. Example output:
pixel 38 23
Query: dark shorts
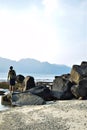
pixel 12 82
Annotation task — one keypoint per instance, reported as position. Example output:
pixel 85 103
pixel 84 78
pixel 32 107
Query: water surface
pixel 3 107
pixel 37 77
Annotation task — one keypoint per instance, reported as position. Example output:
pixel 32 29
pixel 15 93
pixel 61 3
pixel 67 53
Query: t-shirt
pixel 11 74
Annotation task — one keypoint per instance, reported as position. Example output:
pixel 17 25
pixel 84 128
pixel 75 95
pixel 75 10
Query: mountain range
pixel 29 65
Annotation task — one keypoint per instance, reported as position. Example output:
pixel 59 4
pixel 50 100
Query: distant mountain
pixel 33 66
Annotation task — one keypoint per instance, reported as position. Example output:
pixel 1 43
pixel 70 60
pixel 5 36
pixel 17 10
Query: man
pixel 11 79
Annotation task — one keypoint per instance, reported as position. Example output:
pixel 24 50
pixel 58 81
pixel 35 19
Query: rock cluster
pixel 73 85
pixel 64 87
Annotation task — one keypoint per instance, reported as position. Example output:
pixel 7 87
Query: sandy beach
pixel 61 115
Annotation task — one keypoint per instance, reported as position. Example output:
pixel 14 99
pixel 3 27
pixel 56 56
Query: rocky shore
pixel 60 115
pixel 61 105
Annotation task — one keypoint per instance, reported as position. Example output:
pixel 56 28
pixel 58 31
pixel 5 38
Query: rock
pixel 64 76
pixel 45 84
pixel 43 92
pixel 20 78
pixel 84 64
pixel 6 99
pixel 75 91
pixel 79 77
pixel 20 99
pixel 84 68
pixel 80 90
pixel 57 95
pixel 83 88
pixel 67 94
pixel 26 99
pixel 29 82
pixel 58 84
pixel 62 88
pixel 78 72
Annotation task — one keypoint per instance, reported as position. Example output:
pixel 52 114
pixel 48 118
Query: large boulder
pixel 59 84
pixel 83 88
pixel 78 72
pixel 75 91
pixel 20 78
pixel 80 90
pixel 43 92
pixel 60 81
pixel 62 88
pixel 29 82
pixel 84 68
pixel 26 98
pixel 20 99
pixel 67 94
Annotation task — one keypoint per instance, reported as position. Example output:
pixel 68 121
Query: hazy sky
pixel 46 30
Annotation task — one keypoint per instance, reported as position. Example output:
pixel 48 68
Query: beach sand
pixel 60 115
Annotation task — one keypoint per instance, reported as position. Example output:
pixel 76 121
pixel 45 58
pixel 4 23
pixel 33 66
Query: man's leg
pixel 10 88
pixel 13 88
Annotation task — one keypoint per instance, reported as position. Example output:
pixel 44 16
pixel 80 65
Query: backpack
pixel 12 74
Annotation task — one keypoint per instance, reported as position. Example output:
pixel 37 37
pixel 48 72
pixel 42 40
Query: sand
pixel 61 115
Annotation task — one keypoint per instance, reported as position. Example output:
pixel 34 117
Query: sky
pixel 46 30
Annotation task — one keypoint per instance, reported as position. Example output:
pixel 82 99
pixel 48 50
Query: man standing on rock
pixel 11 79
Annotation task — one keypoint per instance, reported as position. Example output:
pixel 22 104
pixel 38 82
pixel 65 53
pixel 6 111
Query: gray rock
pixel 62 88
pixel 43 92
pixel 29 82
pixel 80 90
pixel 20 78
pixel 26 99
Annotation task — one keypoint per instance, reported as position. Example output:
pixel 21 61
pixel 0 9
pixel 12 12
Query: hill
pixel 33 66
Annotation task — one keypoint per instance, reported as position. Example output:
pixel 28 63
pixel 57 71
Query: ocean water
pixel 37 77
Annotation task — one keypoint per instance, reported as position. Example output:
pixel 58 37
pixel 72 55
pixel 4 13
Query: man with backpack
pixel 11 79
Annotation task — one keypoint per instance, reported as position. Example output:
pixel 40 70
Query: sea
pixel 37 78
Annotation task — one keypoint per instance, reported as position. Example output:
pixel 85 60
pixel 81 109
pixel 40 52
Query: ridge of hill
pixel 29 65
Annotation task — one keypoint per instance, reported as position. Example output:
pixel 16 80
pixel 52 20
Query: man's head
pixel 11 67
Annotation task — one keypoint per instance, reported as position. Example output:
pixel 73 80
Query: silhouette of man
pixel 11 79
